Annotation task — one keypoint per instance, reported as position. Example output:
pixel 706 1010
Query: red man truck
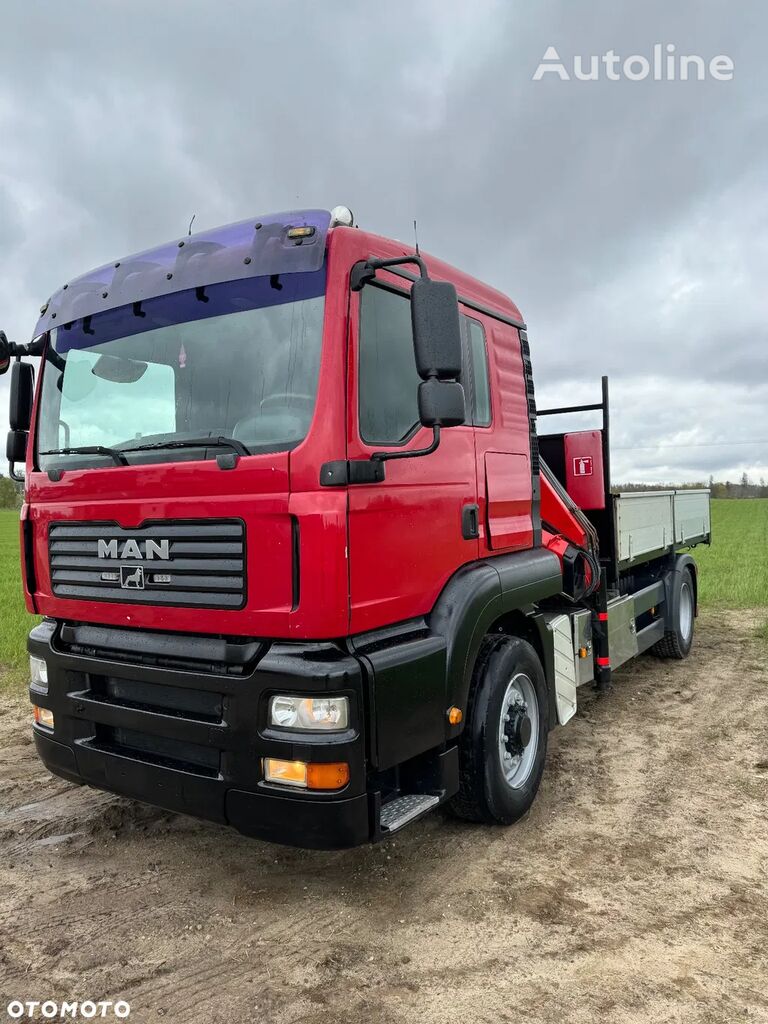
pixel 306 563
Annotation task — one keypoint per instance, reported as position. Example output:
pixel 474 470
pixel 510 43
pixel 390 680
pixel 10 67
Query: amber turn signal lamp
pixel 455 716
pixel 43 717
pixel 306 776
pixel 583 652
pixel 327 776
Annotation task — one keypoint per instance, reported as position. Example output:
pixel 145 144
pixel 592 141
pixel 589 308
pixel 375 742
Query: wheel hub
pixel 517 729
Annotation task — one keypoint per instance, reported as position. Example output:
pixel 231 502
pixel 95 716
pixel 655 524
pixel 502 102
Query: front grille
pixel 204 567
pixel 157 750
pixel 200 705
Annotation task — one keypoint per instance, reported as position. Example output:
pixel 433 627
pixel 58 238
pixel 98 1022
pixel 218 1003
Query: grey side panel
pixel 582 640
pixel 650 523
pixel 561 629
pixel 622 641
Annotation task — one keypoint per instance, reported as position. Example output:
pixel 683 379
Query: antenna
pixel 191 223
pixel 416 236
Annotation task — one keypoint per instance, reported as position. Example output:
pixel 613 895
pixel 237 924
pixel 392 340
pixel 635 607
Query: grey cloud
pixel 628 220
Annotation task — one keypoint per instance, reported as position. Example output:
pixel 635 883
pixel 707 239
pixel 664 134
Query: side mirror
pixel 22 387
pixel 436 329
pixel 441 403
pixel 16 449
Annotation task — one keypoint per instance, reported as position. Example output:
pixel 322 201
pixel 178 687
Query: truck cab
pixel 287 524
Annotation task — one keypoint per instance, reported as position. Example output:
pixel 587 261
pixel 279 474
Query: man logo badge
pixel 132 549
pixel 132 577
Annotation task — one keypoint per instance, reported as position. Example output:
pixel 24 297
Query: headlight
pixel 311 713
pixel 38 671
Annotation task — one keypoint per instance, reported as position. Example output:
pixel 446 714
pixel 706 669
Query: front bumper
pixel 175 723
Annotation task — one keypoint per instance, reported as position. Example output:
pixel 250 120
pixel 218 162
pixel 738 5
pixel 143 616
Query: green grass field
pixel 15 622
pixel 733 574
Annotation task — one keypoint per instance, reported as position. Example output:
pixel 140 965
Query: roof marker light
pixel 341 216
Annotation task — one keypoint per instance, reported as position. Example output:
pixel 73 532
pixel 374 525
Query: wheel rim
pixel 518 731
pixel 686 611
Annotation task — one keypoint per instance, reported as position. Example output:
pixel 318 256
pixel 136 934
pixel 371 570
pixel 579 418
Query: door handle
pixel 470 522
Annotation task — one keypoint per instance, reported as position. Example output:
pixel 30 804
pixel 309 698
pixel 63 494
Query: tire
pixel 677 642
pixel 508 683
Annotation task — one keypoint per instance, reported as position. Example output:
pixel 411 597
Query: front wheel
pixel 504 744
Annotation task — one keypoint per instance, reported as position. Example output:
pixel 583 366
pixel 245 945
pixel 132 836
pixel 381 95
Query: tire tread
pixel 466 803
pixel 670 646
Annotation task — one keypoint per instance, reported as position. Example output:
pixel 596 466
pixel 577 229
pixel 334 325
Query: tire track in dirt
pixel 635 889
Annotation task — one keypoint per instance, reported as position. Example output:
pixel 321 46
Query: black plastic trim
pixel 295 562
pixel 470 522
pixel 27 529
pixel 167 753
pixel 343 472
pixel 479 594
pixel 525 351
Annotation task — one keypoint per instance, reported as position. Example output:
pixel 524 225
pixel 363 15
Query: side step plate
pixel 403 809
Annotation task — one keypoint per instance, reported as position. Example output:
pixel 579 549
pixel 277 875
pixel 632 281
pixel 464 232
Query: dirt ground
pixel 635 891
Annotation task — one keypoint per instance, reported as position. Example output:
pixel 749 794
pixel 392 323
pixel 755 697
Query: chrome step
pixel 403 809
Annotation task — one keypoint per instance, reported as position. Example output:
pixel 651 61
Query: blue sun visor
pixel 280 243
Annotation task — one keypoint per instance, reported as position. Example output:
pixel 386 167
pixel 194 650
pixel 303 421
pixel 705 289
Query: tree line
pixel 743 488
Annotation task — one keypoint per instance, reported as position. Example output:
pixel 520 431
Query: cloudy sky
pixel 628 220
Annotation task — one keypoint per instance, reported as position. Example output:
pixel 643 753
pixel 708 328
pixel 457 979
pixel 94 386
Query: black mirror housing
pixel 436 329
pixel 441 403
pixel 5 353
pixel 16 446
pixel 22 390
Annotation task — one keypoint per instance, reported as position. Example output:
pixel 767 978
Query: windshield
pixel 238 360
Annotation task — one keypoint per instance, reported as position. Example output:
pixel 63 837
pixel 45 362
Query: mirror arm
pixel 384 456
pixel 18 477
pixel 33 348
pixel 365 270
pixel 10 350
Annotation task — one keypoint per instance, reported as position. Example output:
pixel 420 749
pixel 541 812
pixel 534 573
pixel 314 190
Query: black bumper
pixel 136 715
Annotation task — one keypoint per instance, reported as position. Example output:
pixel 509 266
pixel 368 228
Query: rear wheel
pixel 678 641
pixel 504 744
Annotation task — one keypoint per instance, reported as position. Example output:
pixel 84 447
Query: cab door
pixel 406 533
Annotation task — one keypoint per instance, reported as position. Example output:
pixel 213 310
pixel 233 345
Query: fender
pixel 672 591
pixel 416 670
pixel 479 594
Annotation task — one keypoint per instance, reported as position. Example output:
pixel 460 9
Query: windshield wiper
pixel 193 442
pixel 93 449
